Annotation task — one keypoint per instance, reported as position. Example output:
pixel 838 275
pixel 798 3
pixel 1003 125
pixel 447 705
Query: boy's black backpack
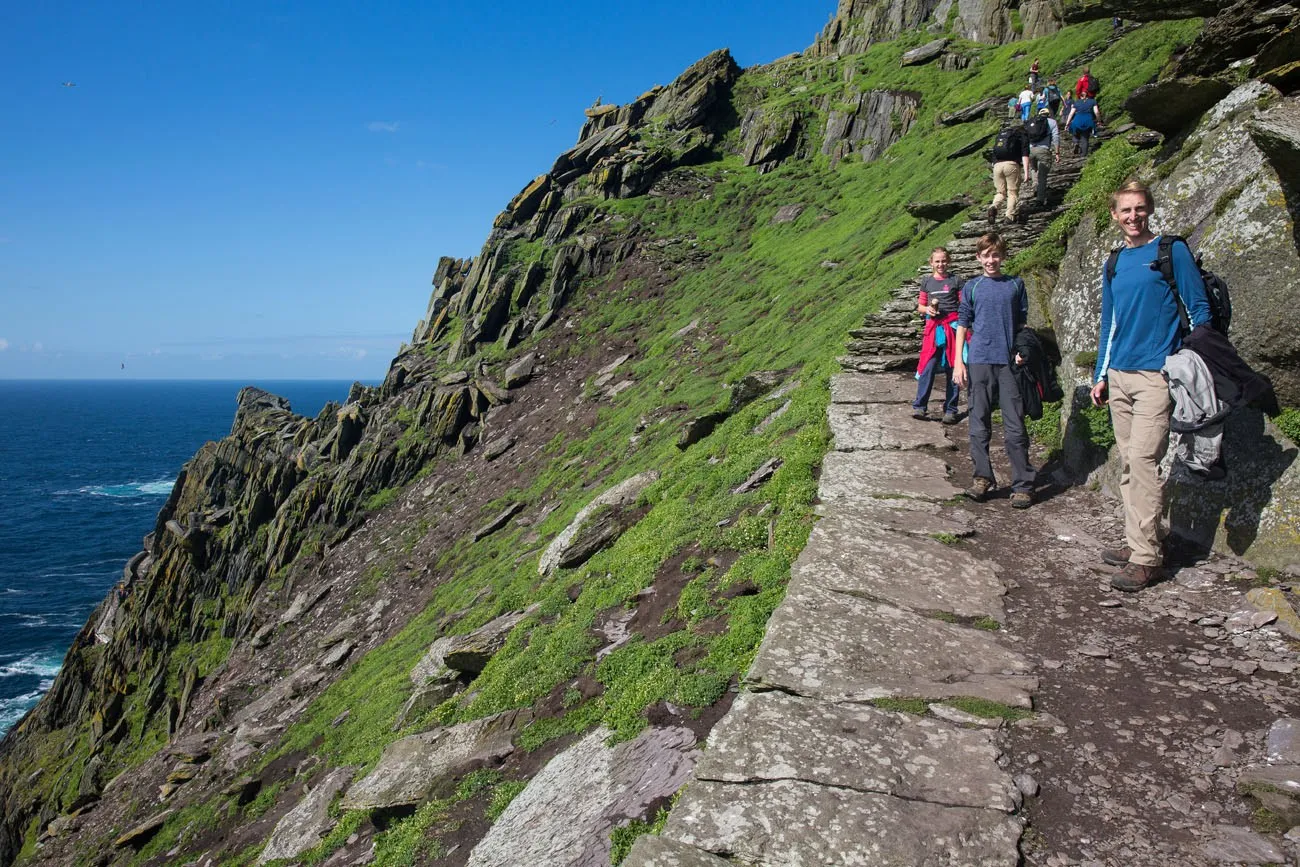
pixel 1216 288
pixel 1007 146
pixel 1094 86
pixel 1037 129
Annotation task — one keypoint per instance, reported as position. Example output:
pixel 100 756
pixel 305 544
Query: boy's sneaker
pixel 1116 556
pixel 992 214
pixel 949 418
pixel 921 414
pixel 979 489
pixel 1133 577
pixel 1021 500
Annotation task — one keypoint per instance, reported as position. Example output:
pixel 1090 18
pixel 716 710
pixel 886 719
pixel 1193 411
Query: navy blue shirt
pixel 992 310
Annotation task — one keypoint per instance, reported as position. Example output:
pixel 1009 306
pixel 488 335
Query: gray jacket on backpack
pixel 1196 429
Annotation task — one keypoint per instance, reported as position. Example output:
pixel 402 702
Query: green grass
pixel 1095 427
pixel 916 706
pixel 381 499
pixel 1288 421
pixel 623 837
pixel 1047 430
pixel 982 707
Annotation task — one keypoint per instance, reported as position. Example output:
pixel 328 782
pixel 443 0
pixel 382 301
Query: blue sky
pixel 263 189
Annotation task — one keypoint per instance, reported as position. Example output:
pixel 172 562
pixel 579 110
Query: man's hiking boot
pixel 1021 500
pixel 920 414
pixel 979 489
pixel 1133 577
pixel 1116 556
pixel 992 215
pixel 950 418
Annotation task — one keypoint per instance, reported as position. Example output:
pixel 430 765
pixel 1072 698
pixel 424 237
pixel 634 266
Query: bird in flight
pixel 69 84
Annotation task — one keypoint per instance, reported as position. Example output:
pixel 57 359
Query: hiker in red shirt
pixel 1086 85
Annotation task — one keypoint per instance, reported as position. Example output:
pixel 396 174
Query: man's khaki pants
pixel 1006 183
pixel 1139 410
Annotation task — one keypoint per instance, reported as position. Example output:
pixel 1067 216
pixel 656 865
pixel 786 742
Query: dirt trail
pixel 1156 701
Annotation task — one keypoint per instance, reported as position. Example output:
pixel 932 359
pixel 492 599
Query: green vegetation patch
pixel 1288 421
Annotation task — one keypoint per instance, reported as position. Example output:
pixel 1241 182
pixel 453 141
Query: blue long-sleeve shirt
pixel 1139 316
pixel 992 309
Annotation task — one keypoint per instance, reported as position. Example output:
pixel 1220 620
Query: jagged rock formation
pixel 858 24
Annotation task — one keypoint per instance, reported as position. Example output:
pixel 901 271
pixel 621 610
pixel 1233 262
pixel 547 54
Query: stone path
pixel 804 769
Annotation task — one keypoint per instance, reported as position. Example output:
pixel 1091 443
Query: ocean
pixel 84 468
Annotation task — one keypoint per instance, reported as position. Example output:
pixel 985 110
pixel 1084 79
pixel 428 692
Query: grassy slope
pixel 767 293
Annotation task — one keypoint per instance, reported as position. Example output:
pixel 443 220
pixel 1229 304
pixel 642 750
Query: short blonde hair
pixel 943 250
pixel 1133 185
pixel 990 241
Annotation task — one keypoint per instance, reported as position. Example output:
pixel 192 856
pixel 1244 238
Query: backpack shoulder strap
pixel 1165 261
pixel 1112 262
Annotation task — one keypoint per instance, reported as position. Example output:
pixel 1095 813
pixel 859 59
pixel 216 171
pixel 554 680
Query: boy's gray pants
pixel 986 381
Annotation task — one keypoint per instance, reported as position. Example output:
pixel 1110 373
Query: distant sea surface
pixel 84 468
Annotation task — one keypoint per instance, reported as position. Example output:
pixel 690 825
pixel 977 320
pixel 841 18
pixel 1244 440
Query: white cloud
pixel 383 126
pixel 38 347
pixel 4 344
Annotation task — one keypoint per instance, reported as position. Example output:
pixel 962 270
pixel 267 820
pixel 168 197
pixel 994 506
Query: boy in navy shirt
pixel 993 308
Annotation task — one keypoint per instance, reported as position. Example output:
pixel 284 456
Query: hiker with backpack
pixel 994 307
pixel 1052 93
pixel 1010 167
pixel 1044 150
pixel 1142 314
pixel 938 301
pixel 1082 122
pixel 1087 85
pixel 1034 77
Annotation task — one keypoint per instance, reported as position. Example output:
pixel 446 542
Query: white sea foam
pixel 128 490
pixel 12 709
pixel 43 665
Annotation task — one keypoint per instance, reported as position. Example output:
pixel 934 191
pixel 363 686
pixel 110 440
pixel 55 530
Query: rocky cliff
pixel 539 556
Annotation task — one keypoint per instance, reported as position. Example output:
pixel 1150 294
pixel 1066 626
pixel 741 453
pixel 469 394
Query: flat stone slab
pixel 1230 845
pixel 797 824
pixel 875 426
pixel 918 573
pixel 837 647
pixel 652 850
pixel 565 815
pixel 857 477
pixel 895 515
pixel 304 826
pixel 410 767
pixel 872 388
pixel 771 736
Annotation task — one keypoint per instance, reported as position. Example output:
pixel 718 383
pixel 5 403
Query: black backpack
pixel 1037 129
pixel 1007 146
pixel 1216 288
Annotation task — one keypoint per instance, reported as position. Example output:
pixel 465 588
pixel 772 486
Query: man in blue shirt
pixel 993 308
pixel 1140 326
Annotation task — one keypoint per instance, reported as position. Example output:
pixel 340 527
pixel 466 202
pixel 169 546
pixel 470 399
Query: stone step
pixel 878 363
